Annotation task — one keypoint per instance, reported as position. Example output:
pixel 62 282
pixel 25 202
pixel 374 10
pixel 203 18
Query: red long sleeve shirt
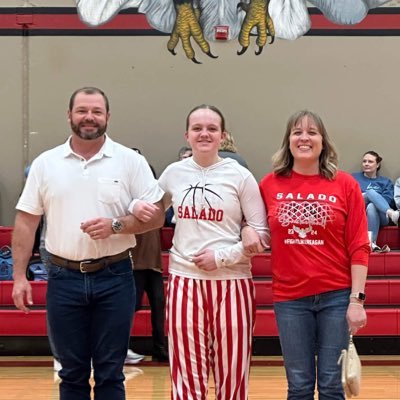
pixel 318 230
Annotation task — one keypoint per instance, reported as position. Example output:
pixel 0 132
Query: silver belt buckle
pixel 81 266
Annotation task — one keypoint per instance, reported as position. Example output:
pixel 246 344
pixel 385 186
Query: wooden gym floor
pixel 32 378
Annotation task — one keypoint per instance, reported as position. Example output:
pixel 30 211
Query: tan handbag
pixel 351 370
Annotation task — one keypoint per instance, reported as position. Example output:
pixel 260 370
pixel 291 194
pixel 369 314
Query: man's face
pixel 88 117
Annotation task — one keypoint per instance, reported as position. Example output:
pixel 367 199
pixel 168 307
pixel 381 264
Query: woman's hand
pixel 251 241
pixel 356 317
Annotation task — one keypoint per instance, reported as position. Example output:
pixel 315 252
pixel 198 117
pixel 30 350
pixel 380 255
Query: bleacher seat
pixel 39 290
pixel 380 292
pixel 382 305
pixel 389 235
pixel 5 235
pixel 376 265
pixel 392 263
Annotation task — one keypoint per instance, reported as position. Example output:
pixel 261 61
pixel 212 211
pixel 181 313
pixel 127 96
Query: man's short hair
pixel 89 90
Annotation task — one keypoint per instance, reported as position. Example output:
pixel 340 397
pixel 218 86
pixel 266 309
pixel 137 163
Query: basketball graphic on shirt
pixel 310 213
pixel 202 203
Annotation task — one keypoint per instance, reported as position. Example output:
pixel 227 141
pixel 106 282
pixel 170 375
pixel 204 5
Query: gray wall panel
pixel 351 81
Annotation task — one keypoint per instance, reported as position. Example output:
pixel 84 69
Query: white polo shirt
pixel 70 190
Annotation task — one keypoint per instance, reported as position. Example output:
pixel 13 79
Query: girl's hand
pixel 205 260
pixel 144 211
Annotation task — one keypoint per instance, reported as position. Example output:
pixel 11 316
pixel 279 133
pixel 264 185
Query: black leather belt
pixel 91 265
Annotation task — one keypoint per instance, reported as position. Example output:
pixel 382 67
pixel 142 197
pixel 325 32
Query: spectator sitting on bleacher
pixel 229 149
pixel 378 195
pixel 184 152
pixel 397 193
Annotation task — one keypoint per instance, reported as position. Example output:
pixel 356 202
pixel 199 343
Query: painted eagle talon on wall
pixel 183 19
pixel 257 16
pixel 187 25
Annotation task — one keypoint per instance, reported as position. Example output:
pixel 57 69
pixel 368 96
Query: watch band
pixel 358 295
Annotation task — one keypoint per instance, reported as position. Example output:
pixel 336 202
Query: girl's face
pixel 369 164
pixel 305 141
pixel 204 133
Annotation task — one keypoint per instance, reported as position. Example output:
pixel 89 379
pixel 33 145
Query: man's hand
pixel 25 227
pixel 205 260
pixel 98 228
pixel 22 294
pixel 144 211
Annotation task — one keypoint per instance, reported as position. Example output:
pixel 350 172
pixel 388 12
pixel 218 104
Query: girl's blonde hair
pixel 282 160
pixel 228 144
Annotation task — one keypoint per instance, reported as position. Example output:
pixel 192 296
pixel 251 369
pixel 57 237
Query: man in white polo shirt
pixel 85 187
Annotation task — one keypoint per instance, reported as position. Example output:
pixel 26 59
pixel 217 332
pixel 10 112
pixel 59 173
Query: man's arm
pixel 101 228
pixel 25 227
pixel 132 224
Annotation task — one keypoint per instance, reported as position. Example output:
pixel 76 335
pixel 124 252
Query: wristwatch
pixel 116 225
pixel 358 295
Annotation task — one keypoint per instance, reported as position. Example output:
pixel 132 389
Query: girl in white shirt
pixel 211 297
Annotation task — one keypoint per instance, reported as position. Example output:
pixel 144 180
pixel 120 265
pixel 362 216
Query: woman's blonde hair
pixel 282 160
pixel 228 144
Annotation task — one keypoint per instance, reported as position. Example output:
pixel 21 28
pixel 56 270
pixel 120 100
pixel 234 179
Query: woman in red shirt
pixel 320 249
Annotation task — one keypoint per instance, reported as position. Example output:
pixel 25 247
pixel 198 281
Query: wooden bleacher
pixel 382 305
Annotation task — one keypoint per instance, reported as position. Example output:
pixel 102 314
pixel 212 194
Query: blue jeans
pixel 45 257
pixel 313 331
pixel 376 207
pixel 90 318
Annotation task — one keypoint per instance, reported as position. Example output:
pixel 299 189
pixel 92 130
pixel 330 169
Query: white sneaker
pixel 394 216
pixel 133 358
pixel 56 365
pixel 375 248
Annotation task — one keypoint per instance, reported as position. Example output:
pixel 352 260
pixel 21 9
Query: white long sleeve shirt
pixel 210 205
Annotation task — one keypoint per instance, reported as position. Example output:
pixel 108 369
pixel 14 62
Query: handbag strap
pixel 351 339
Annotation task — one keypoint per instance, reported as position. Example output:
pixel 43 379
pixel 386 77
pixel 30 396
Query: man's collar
pixel 107 149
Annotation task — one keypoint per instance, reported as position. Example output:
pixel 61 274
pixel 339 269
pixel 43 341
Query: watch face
pixel 358 295
pixel 116 225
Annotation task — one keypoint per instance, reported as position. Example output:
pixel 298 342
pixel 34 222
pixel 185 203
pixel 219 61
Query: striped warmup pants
pixel 210 326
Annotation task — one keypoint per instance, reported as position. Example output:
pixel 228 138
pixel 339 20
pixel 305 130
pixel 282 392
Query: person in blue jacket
pixel 378 195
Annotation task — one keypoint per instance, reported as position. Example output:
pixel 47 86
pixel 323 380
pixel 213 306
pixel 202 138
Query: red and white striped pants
pixel 210 326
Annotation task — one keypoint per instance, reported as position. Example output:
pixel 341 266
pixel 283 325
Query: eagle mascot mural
pixel 195 20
